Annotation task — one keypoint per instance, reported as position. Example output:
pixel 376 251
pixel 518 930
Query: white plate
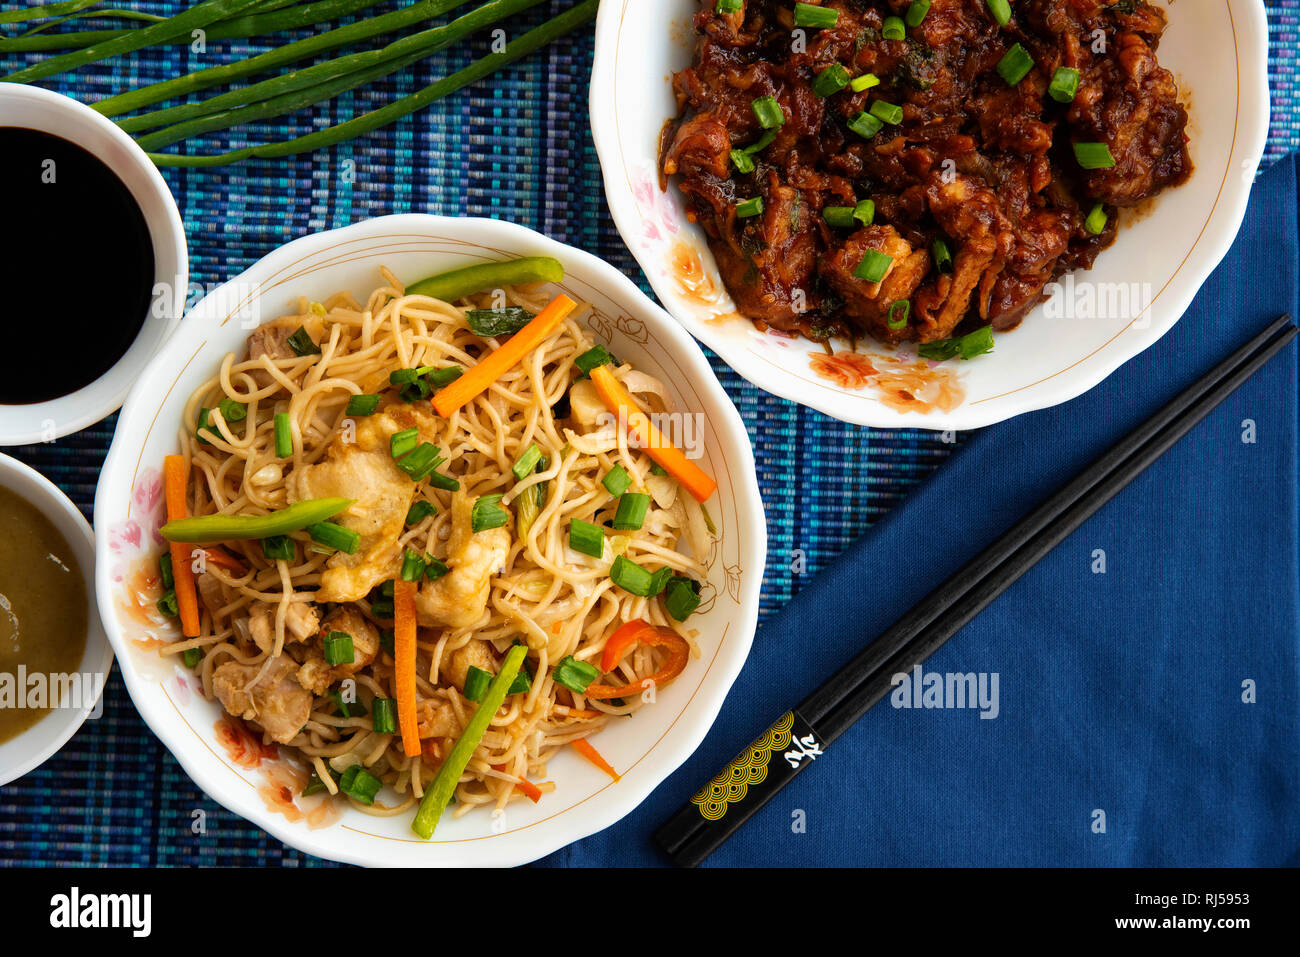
pixel 1217 49
pixel 128 512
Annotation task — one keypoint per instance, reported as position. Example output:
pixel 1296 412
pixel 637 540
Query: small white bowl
pixel 234 771
pixel 1095 322
pixel 33 108
pixel 31 748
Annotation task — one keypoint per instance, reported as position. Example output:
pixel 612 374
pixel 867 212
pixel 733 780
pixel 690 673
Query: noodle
pixel 560 603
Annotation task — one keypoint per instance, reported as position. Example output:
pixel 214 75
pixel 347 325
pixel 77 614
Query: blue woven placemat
pixel 517 148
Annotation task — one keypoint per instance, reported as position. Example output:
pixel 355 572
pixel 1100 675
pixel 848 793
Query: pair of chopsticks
pixel 800 736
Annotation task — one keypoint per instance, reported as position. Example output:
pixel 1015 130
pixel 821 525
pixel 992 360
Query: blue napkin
pixel 1148 705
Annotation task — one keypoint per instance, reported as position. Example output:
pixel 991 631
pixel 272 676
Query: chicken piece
pixel 301 621
pixel 315 674
pixel 476 653
pixel 272 339
pixel 459 598
pixel 701 144
pixel 436 718
pixel 365 472
pixel 212 593
pixel 866 302
pixel 277 702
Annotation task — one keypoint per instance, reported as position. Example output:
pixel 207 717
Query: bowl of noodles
pixel 429 541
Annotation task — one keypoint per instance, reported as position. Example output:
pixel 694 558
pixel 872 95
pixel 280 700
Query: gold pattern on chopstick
pixel 733 783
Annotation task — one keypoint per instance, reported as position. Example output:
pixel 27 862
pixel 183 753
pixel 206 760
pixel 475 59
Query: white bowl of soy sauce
pixel 96 268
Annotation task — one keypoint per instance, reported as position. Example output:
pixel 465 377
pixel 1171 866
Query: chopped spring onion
pixel 403 376
pixel 874 266
pixel 681 596
pixel 192 657
pixel 412 566
pixel 402 442
pixel 1065 84
pixel 889 112
pixel 865 125
pixel 729 6
pixel 232 411
pixel 657 469
pixel 810 15
pixel 205 422
pixel 388 641
pixel 346 709
pixel 165 571
pixel 1096 221
pixel 632 507
pixel 830 80
pixel 743 162
pixel 362 405
pixel 966 347
pixel 769 112
pixel 898 313
pixel 419 462
pixel 1001 11
pixel 1093 155
pixel 635 580
pixel 749 208
pixel 942 256
pixel 1015 65
pixel 490 323
pixel 865 212
pixel 382 608
pixel 445 376
pixel 574 675
pixel 335 536
pixel 616 480
pixel 283 435
pixel 840 217
pixel 434 568
pixel 488 513
pixel 893 29
pixel 595 356
pixel 421 510
pixel 476 683
pixel 359 784
pixel 383 716
pixel 527 462
pixel 444 482
pixel 278 548
pixel 339 649
pixel 167 604
pixel 865 82
pixel 302 344
pixel 917 11
pixel 586 538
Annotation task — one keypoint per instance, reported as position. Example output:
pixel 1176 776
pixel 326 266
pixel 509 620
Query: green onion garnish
pixel 232 411
pixel 616 480
pixel 283 435
pixel 278 548
pixel 865 212
pixel 205 422
pixel 165 571
pixel 362 405
pixel 874 266
pixel 865 125
pixel 167 604
pixel 339 649
pixel 192 657
pixel 1093 155
pixel 749 208
pixel 417 463
pixel 681 596
pixel 573 674
pixel 445 376
pixel 335 536
pixel 488 513
pixel 383 716
pixel 966 347
pixel 1065 84
pixel 403 376
pixel 809 15
pixel 632 507
pixel 830 80
pixel 729 6
pixel 865 82
pixel 388 640
pixel 657 469
pixel 942 256
pixel 595 356
pixel 1001 11
pixel 387 589
pixel 444 482
pixel 1015 65
pixel 634 579
pixel 525 464
pixel 399 443
pixel 889 112
pixel 412 566
pixel 840 217
pixel 382 608
pixel 434 568
pixel 586 538
pixel 303 344
pixel 476 683
pixel 743 162
pixel 420 511
pixel 893 29
pixel 898 313
pixel 769 113
pixel 1096 221
pixel 359 784
pixel 917 11
pixel 492 323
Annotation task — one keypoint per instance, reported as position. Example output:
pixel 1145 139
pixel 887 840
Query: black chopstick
pixel 792 743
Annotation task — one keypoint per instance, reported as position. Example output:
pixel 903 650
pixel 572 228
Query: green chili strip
pixel 233 528
pixel 450 286
pixel 439 792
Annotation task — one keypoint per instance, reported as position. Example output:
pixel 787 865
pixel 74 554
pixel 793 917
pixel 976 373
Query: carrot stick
pixel 404 648
pixel 223 559
pixel 480 377
pixel 175 479
pixel 592 755
pixel 669 457
pixel 531 790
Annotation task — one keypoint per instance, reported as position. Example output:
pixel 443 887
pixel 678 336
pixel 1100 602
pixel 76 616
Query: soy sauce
pixel 78 270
